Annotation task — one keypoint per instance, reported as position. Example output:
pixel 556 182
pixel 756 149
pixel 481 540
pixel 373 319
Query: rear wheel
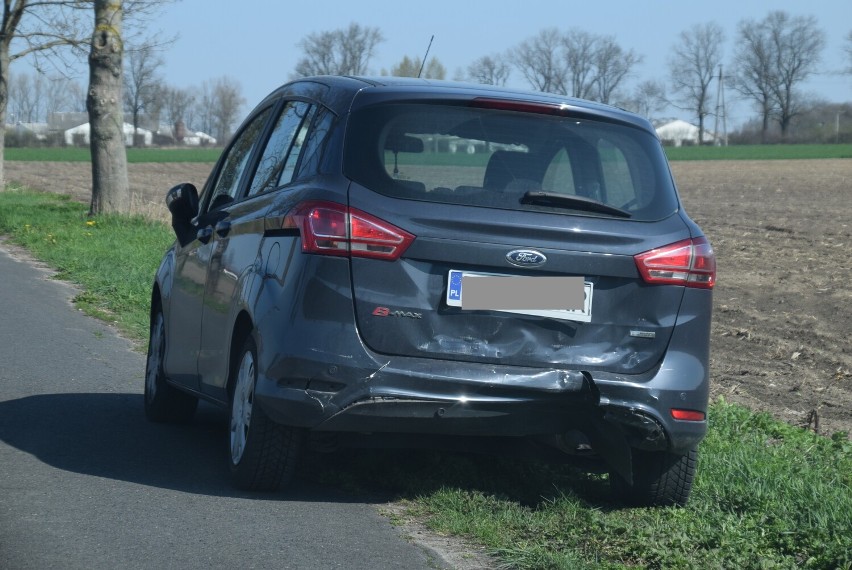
pixel 262 454
pixel 163 402
pixel 660 478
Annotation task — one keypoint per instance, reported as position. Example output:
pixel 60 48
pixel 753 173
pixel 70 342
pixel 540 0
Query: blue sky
pixel 255 41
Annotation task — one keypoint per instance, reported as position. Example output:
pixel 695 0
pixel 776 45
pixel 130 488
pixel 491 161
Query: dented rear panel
pixel 499 193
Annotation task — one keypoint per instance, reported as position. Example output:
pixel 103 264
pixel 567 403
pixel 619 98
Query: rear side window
pixel 498 158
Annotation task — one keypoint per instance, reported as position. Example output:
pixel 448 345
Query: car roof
pixel 339 91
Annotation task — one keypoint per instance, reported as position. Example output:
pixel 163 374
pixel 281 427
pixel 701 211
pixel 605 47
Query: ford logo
pixel 526 257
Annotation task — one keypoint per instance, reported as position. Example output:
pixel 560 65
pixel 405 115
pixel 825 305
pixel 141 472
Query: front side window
pixel 282 152
pixel 508 159
pixel 224 190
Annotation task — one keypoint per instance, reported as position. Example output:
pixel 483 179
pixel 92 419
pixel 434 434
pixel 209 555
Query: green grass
pixel 767 495
pixel 742 152
pixel 82 154
pixel 760 152
pixel 112 257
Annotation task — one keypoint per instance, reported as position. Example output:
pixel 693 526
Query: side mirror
pixel 182 201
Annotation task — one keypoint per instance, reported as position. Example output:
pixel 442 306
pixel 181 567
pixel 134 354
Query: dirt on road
pixel 782 232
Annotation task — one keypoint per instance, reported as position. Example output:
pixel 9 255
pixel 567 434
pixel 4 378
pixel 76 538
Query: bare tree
pixel 110 188
pixel 142 85
pixel 612 66
pixel 848 50
pixel 539 61
pixel 203 108
pixel 225 100
pixel 63 94
pixel 489 70
pixel 338 52
pixel 23 98
pixel 34 27
pixel 574 63
pixel 774 56
pixel 754 69
pixel 579 49
pixel 692 68
pixel 798 43
pixel 648 98
pixel 178 104
pixel 411 67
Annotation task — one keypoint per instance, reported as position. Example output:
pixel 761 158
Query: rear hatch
pixel 548 204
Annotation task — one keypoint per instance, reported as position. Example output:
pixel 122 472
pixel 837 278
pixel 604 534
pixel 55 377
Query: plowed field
pixel 782 231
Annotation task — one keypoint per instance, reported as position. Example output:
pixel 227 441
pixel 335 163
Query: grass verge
pixel 113 258
pixel 767 495
pixel 739 152
pixel 760 152
pixel 82 154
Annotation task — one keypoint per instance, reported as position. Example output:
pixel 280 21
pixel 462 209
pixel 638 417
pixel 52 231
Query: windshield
pixel 493 158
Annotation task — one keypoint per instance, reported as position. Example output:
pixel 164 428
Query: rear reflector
pixel 688 415
pixel 690 262
pixel 330 228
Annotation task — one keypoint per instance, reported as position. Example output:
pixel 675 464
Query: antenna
pixel 422 65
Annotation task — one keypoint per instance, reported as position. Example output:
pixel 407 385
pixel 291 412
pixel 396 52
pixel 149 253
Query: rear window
pixel 498 159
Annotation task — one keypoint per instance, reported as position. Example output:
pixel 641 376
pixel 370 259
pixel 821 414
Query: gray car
pixel 431 262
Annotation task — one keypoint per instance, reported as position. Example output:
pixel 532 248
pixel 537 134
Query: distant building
pixel 677 133
pixel 199 139
pixel 39 131
pixel 181 135
pixel 80 135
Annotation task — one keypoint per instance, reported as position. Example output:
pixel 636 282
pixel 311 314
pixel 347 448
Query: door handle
pixel 222 228
pixel 204 234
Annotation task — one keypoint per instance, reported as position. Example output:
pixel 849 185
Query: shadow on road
pixel 107 435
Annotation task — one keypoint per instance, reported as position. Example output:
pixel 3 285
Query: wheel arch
pixel 156 302
pixel 243 326
pixel 161 289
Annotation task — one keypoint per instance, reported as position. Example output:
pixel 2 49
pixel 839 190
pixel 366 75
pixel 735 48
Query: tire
pixel 163 402
pixel 659 479
pixel 262 454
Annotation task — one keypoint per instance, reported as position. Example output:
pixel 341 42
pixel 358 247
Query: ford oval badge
pixel 526 258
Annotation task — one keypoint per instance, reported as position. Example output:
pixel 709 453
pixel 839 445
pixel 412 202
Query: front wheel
pixel 163 402
pixel 261 453
pixel 660 478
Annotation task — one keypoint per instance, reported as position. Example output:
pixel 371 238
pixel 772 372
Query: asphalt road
pixel 87 482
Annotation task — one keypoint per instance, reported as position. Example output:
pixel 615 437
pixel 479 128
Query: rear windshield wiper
pixel 571 201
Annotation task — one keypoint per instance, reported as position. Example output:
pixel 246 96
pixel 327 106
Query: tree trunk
pixel 4 102
pixel 110 188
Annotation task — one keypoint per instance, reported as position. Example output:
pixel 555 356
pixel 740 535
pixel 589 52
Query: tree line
pixel 771 60
pixel 214 107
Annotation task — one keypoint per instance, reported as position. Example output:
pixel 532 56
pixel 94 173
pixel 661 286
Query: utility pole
pixel 837 127
pixel 722 111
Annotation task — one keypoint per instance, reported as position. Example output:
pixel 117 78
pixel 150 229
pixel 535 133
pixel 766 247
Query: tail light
pixel 330 228
pixel 690 262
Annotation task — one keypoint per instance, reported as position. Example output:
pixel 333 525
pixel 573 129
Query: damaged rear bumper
pixel 410 395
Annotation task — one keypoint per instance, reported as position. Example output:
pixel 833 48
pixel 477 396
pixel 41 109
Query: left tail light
pixel 690 262
pixel 329 228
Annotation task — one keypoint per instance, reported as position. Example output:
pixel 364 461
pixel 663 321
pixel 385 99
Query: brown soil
pixel 783 302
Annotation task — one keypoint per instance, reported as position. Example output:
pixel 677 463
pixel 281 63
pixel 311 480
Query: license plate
pixel 565 298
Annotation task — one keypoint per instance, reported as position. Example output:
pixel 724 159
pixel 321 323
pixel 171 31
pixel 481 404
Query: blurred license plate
pixel 566 298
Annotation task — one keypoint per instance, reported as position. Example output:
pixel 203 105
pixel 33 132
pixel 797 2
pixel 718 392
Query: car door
pixel 192 262
pixel 237 232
